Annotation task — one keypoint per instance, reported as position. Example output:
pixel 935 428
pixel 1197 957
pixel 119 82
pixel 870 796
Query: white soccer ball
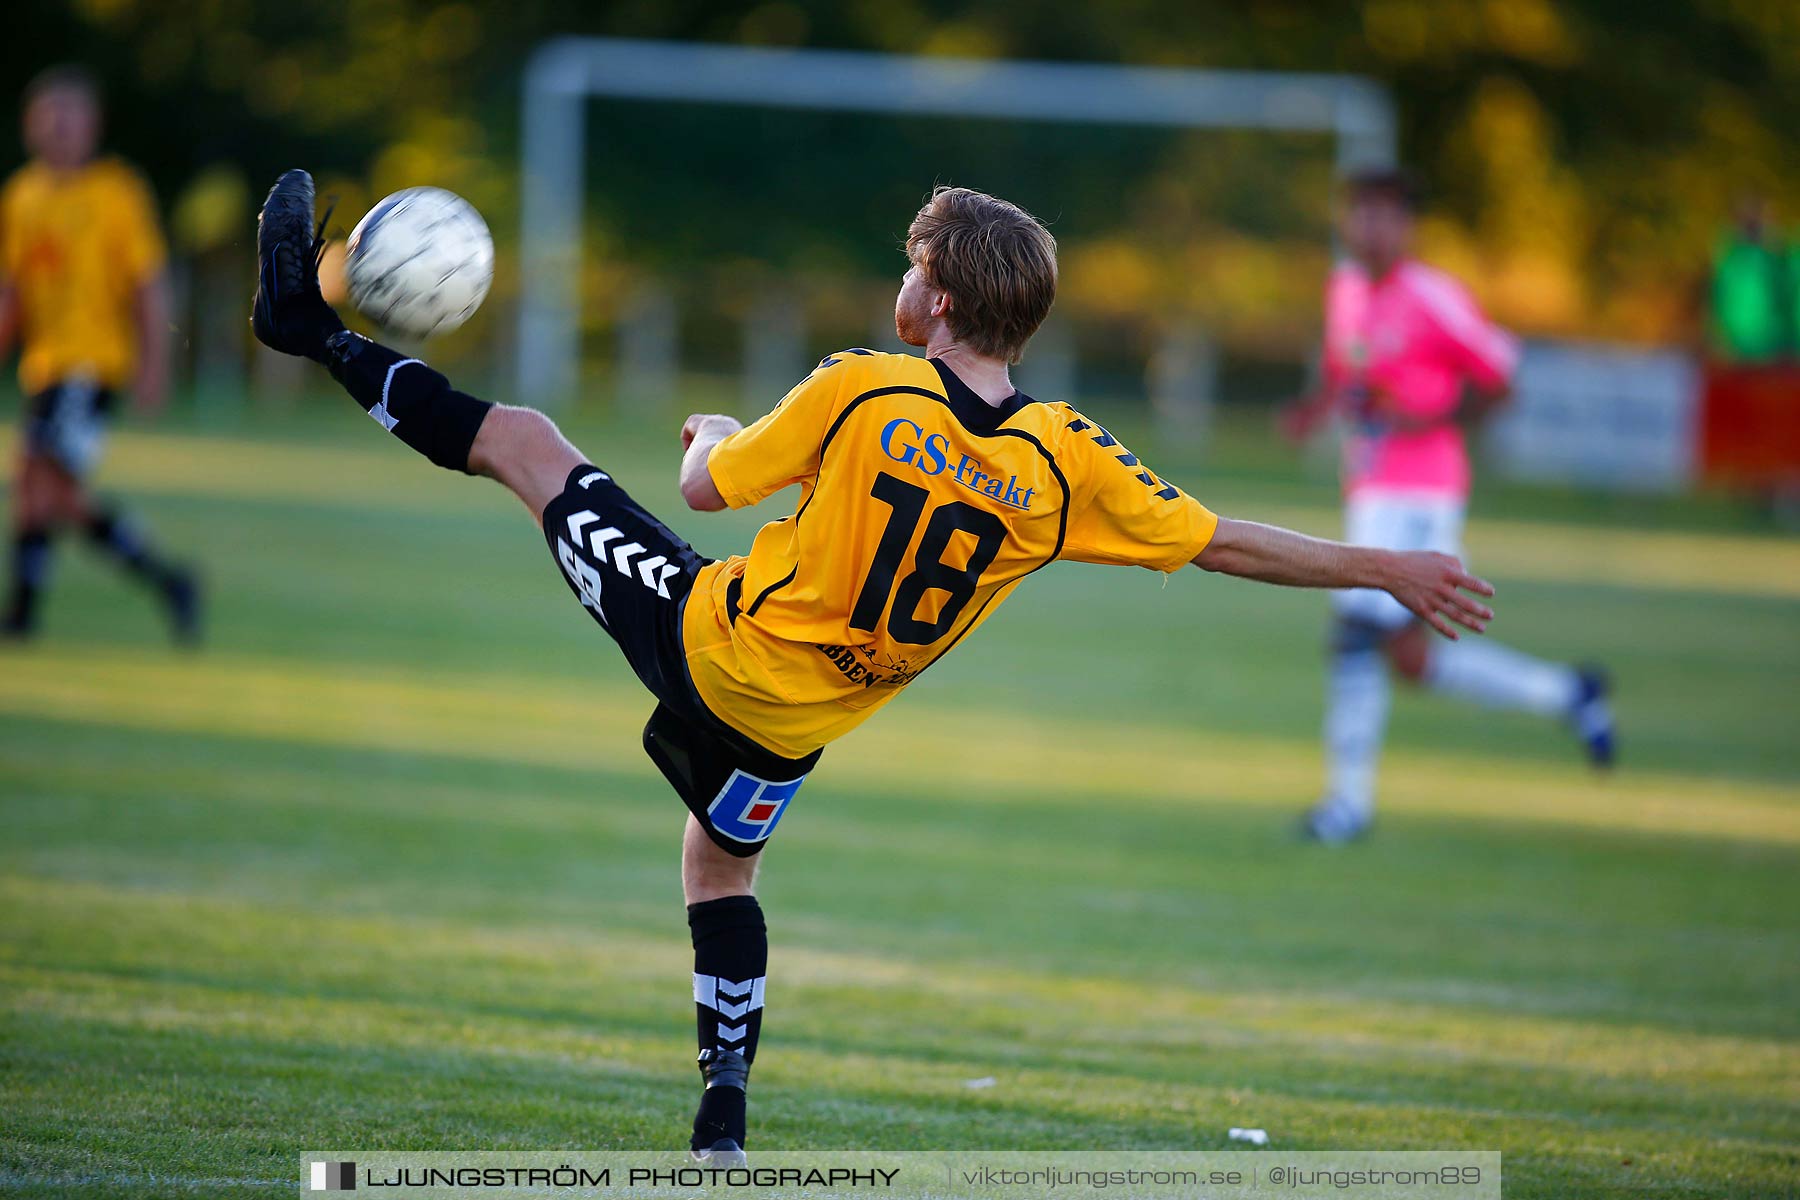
pixel 420 262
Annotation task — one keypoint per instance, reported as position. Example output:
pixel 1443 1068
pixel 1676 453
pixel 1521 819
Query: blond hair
pixel 996 261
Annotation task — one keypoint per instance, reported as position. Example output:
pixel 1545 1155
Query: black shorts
pixel 633 575
pixel 66 423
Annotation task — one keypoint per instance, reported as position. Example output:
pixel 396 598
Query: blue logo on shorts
pixel 747 808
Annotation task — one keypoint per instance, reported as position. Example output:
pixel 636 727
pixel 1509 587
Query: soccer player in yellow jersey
pixel 929 489
pixel 83 291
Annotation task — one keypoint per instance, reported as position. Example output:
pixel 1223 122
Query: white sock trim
pixel 731 998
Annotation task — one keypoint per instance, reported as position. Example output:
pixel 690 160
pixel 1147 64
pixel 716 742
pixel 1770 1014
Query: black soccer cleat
pixel 290 315
pixel 720 1121
pixel 15 626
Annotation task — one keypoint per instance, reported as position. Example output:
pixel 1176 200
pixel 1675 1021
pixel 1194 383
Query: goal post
pixel 565 73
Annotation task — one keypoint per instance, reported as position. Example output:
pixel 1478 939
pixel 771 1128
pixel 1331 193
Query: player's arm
pixel 727 465
pixel 151 308
pixel 1486 355
pixel 1301 416
pixel 9 294
pixel 1433 586
pixel 142 256
pixel 1298 418
pixel 699 435
pixel 1131 517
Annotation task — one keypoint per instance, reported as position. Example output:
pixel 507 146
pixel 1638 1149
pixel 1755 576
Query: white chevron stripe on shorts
pixel 599 539
pixel 624 554
pixel 651 565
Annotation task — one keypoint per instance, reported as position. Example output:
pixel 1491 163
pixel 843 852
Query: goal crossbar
pixel 563 74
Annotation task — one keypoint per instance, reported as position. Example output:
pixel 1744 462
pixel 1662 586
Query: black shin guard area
pixel 409 399
pixel 731 956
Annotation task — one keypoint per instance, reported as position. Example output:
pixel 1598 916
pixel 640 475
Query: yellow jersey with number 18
pixel 921 508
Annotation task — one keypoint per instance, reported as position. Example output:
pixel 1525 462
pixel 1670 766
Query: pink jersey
pixel 1408 341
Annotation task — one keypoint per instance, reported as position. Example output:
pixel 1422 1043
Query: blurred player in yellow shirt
pixel 84 293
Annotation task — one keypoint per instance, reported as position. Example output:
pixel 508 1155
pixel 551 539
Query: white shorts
pixel 1396 521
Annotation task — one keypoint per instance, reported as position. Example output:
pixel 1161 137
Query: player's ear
pixel 940 304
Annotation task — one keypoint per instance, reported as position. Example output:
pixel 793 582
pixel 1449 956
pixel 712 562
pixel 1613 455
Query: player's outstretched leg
pixel 524 450
pixel 121 539
pixel 731 959
pixel 518 447
pixel 290 313
pixel 1497 676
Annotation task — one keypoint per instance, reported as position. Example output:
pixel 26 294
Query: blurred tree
pixel 1582 154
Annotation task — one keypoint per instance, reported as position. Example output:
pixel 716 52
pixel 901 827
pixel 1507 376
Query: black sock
pixel 731 958
pixel 118 535
pixel 30 570
pixel 409 399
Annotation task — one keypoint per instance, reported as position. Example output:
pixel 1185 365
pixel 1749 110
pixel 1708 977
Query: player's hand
pixel 1395 417
pixel 694 425
pixel 1437 589
pixel 1297 419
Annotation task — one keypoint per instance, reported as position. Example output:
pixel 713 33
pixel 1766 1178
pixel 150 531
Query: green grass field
pixel 384 867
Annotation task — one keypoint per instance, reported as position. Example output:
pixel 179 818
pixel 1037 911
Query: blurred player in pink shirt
pixel 1408 357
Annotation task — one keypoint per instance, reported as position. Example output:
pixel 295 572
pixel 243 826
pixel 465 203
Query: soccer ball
pixel 420 262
